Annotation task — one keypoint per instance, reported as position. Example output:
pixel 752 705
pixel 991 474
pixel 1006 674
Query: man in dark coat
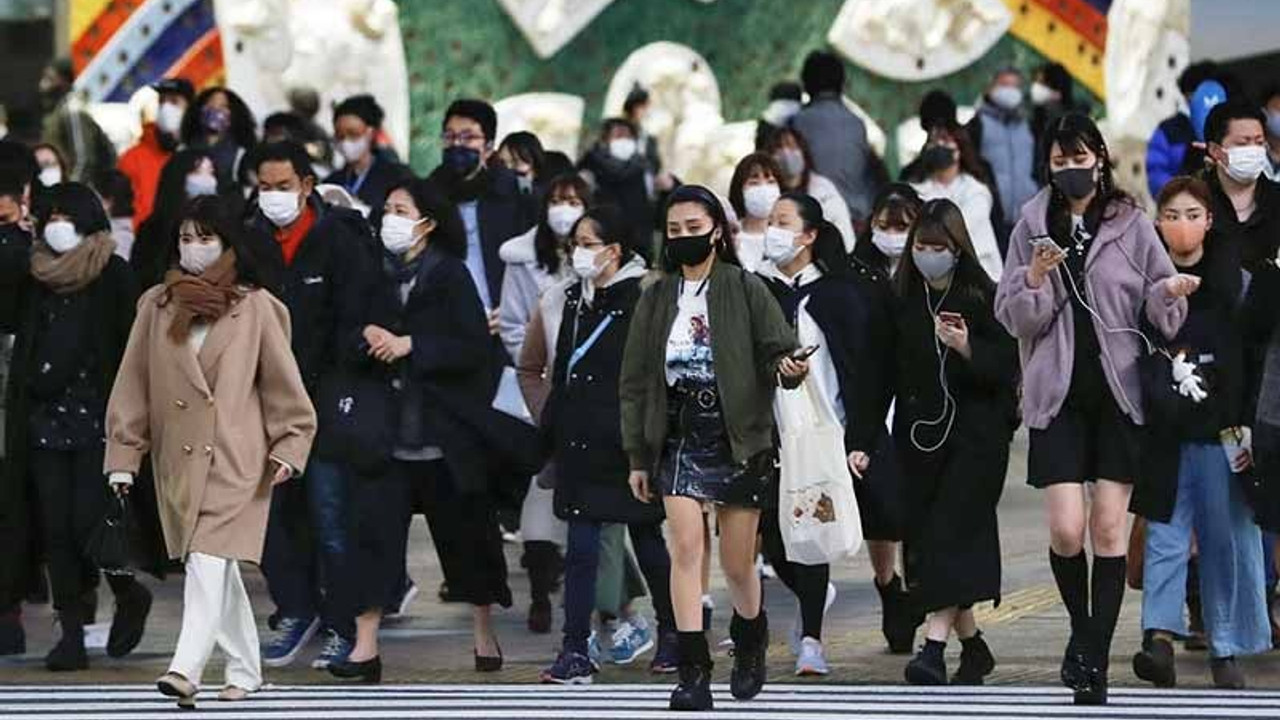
pixel 368 174
pixel 319 258
pixel 488 197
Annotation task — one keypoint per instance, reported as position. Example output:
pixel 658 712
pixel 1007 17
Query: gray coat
pixel 838 141
pixel 1009 147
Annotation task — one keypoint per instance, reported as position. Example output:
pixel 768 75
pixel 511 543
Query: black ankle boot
pixel 898 621
pixel 1093 689
pixel 69 654
pixel 1075 666
pixel 928 667
pixel 694 690
pixel 133 605
pixel 750 643
pixel 976 661
pixel 1155 663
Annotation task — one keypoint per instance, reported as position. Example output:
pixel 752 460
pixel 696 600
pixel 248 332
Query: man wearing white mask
pixel 320 257
pixel 617 172
pixel 143 162
pixel 1002 135
pixel 1246 204
pixel 367 173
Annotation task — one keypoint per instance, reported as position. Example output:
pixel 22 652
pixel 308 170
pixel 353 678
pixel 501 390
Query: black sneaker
pixel 898 621
pixel 130 620
pixel 928 667
pixel 750 643
pixel 1155 663
pixel 976 662
pixel 1227 674
pixel 694 691
pixel 69 654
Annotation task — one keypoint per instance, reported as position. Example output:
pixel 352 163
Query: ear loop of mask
pixel 949 407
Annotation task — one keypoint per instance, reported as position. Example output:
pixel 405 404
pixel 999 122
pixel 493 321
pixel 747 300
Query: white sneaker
pixel 797 626
pixel 811 661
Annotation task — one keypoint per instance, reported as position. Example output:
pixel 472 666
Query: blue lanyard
pixel 584 347
pixel 357 182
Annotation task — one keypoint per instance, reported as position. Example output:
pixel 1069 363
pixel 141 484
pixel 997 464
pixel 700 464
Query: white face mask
pixel 759 199
pixel 51 176
pixel 562 216
pixel 780 245
pixel 61 236
pixel 1245 164
pixel 196 257
pixel 281 207
pixel 169 118
pixel 200 184
pixel 622 149
pixel 792 162
pixel 890 243
pixel 584 263
pixel 397 233
pixel 353 149
pixel 1041 94
pixel 1006 97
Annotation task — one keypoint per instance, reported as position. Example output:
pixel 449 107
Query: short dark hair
pixel 78 202
pixel 285 151
pixel 637 96
pixel 216 215
pixel 545 244
pixel 609 124
pixel 937 107
pixel 786 90
pixel 478 110
pixel 1195 73
pixel 181 87
pixel 363 106
pixel 526 146
pixel 828 247
pixel 742 172
pixel 294 127
pixel 1221 116
pixel 1058 78
pixel 613 228
pixel 822 72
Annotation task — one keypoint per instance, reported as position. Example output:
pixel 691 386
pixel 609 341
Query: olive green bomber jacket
pixel 749 337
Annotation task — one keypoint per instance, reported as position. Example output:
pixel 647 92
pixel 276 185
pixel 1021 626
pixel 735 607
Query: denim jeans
pixel 581 558
pixel 307 540
pixel 1211 504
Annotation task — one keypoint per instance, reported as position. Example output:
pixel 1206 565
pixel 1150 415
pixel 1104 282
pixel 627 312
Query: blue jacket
pixel 1167 151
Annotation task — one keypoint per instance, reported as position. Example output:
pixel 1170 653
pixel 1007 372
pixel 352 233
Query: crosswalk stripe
pixel 609 702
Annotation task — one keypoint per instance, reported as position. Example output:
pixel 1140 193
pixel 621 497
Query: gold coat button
pixel 188 449
pixel 208 449
pixel 182 404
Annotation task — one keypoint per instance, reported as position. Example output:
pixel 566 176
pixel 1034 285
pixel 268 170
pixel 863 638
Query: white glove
pixel 119 478
pixel 1189 384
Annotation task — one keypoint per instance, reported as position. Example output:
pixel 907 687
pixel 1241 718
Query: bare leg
pixel 938 626
pixel 367 626
pixel 482 627
pixel 685 537
pixel 738 529
pixel 884 559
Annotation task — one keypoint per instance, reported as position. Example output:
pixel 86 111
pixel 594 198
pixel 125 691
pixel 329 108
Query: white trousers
pixel 216 611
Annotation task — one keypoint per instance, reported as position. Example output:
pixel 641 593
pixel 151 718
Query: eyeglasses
pixel 450 139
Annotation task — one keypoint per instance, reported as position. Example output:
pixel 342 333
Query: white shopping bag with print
pixel 817 509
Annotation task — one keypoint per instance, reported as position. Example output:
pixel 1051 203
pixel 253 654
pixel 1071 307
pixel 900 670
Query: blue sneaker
pixel 630 641
pixel 336 650
pixel 291 635
pixel 570 668
pixel 594 652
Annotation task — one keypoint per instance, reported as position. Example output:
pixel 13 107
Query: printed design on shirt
pixel 689 354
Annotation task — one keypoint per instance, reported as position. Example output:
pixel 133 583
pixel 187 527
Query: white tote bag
pixel 817 509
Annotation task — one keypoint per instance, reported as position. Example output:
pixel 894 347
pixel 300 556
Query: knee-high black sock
pixel 1108 595
pixel 120 583
pixel 1072 576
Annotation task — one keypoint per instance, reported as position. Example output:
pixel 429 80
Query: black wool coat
pixel 583 414
pixel 952 543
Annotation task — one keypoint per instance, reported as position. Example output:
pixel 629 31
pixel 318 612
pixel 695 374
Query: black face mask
pixel 937 157
pixel 690 250
pixel 460 160
pixel 1075 183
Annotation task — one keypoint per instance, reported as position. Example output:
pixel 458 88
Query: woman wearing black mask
pixel 955 415
pixel 706 348
pixel 1085 265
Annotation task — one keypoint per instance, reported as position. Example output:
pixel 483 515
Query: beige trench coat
pixel 210 421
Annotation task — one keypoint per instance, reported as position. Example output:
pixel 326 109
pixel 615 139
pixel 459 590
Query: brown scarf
pixel 75 269
pixel 205 297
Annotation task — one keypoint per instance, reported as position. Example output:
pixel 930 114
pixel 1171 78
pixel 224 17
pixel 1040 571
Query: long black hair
pixel 774 145
pixel 433 202
pixel 243 126
pixel 700 195
pixel 940 222
pixel 215 216
pixel 546 246
pixel 828 248
pixel 171 188
pixel 1071 133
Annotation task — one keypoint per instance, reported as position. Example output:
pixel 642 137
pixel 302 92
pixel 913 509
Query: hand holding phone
pixel 1046 256
pixel 952 319
pixel 805 353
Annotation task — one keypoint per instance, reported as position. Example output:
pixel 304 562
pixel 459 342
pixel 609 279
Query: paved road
pixel 778 702
pixel 1027 631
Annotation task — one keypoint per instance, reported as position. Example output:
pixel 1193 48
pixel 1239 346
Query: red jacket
pixel 142 163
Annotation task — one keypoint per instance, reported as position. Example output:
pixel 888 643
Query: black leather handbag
pixel 356 420
pixel 110 546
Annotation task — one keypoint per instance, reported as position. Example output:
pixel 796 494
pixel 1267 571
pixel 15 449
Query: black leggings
pixel 807 582
pixel 72 494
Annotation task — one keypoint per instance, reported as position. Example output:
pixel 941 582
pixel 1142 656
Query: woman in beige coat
pixel 209 387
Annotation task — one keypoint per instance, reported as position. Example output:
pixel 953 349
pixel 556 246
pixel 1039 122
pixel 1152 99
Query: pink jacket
pixel 1124 274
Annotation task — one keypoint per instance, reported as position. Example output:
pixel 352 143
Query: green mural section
pixel 458 48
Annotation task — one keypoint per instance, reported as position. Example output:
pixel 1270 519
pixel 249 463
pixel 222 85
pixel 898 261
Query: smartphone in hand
pixel 952 319
pixel 805 353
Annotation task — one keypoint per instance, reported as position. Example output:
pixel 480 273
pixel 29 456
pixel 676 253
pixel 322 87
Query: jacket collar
pixel 1122 215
